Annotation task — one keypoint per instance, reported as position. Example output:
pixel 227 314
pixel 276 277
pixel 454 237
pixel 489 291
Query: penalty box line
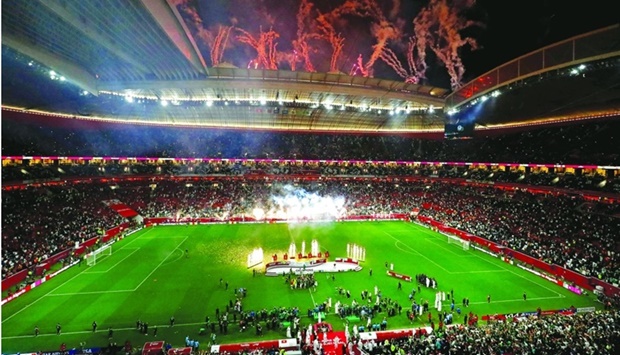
pixel 113 266
pixel 161 263
pixel 412 249
pixel 59 286
pixel 117 291
pixel 523 277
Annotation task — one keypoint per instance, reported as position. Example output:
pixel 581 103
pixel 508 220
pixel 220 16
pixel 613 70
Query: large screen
pixel 459 130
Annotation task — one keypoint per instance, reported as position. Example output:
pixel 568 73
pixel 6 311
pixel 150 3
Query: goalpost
pixel 91 258
pixel 456 240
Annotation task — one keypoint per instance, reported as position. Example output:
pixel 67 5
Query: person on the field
pixel 58 328
pixel 94 326
pixel 36 331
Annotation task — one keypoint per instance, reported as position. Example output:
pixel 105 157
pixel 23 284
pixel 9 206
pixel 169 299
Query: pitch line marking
pixel 519 300
pixel 311 296
pixel 161 263
pixel 410 251
pixel 59 286
pixel 479 272
pixel 40 298
pixel 422 255
pixel 113 266
pixel 141 234
pixel 511 271
pixel 88 293
pixel 103 331
pixel 178 258
pixel 525 278
pixel 434 242
pixel 168 237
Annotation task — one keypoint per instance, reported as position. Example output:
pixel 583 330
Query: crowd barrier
pixel 561 276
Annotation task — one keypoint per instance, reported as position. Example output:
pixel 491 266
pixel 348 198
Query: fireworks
pixel 316 38
pixel 219 44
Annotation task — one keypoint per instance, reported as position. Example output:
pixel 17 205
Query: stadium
pixel 325 177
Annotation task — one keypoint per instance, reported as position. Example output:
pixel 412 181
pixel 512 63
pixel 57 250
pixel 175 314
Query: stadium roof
pixel 130 58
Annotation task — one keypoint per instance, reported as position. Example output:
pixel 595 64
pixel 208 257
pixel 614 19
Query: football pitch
pixel 150 277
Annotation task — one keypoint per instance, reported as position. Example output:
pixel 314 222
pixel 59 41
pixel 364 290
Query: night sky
pixel 502 30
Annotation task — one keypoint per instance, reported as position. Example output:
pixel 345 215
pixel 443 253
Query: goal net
pixel 456 240
pixel 93 256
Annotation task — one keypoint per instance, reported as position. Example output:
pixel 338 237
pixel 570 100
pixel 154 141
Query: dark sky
pixel 514 28
pixel 503 29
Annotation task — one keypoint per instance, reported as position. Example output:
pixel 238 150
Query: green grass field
pixel 148 277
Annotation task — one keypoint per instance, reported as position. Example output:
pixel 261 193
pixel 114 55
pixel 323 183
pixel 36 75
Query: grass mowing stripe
pixel 525 278
pixel 87 293
pixel 422 255
pixel 460 255
pixel 59 286
pixel 188 288
pixel 40 298
pixel 520 300
pixel 311 296
pixel 158 265
pixel 113 266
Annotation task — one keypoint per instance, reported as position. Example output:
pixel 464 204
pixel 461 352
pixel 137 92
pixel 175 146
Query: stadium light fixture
pixel 164 103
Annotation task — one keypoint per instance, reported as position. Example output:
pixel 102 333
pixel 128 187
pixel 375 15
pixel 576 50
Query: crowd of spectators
pixel 40 222
pixel 557 178
pixel 587 333
pixel 552 228
pixel 590 142
pixel 566 230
